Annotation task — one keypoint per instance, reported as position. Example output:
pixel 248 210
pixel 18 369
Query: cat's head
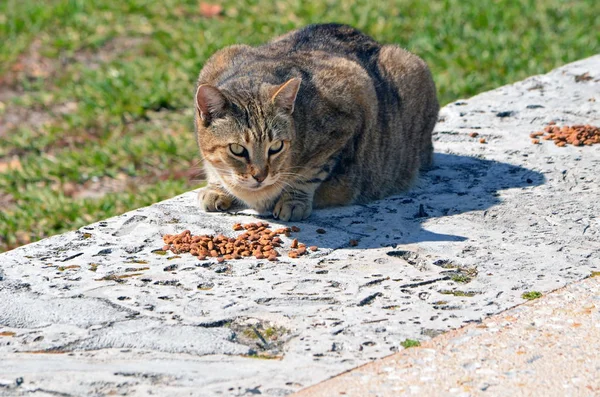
pixel 245 135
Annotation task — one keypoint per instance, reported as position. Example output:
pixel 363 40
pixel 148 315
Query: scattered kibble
pixel 576 135
pixel 321 231
pixel 482 140
pixel 353 243
pixel 256 240
pixel 474 134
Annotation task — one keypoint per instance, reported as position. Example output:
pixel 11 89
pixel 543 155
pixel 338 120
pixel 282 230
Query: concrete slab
pixel 99 310
pixel 550 347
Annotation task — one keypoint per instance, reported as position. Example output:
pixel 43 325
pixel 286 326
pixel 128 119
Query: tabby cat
pixel 322 116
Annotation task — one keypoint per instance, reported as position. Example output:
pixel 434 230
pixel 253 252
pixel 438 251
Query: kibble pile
pixel 257 240
pixel 576 135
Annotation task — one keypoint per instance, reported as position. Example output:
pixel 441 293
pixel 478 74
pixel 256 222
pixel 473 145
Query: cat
pixel 322 116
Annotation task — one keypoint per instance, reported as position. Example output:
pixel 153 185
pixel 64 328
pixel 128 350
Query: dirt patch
pixel 33 65
pixel 6 199
pixel 30 65
pixel 35 118
pixel 97 188
pixel 110 51
pixel 15 117
pixel 8 164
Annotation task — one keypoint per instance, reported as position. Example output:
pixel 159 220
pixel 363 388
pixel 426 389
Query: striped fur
pixel 356 128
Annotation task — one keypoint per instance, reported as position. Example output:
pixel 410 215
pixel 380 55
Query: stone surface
pixel 100 309
pixel 550 347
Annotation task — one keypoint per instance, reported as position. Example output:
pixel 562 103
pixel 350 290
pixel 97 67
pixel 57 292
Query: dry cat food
pixel 257 240
pixel 576 135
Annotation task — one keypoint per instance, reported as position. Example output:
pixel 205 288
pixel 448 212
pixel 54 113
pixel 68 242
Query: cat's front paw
pixel 289 208
pixel 214 200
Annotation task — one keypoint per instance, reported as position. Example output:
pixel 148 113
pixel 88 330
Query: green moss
pixel 468 294
pixel 159 252
pixel 531 295
pixel 595 274
pixel 249 333
pixel 270 332
pixel 410 343
pixel 93 267
pixel 461 278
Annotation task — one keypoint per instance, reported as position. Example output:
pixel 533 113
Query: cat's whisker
pixel 284 183
pixel 286 187
pixel 282 187
pixel 295 176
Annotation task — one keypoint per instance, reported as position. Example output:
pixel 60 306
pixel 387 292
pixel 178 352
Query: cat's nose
pixel 260 176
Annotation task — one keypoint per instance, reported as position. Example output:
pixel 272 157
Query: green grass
pixel 106 85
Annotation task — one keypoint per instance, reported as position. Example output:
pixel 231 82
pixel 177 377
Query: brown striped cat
pixel 322 116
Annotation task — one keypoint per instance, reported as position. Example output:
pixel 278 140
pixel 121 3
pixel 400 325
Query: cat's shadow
pixel 455 185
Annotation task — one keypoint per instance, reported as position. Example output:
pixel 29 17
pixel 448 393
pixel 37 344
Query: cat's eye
pixel 238 150
pixel 276 147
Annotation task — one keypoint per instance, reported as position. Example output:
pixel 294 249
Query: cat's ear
pixel 284 96
pixel 210 102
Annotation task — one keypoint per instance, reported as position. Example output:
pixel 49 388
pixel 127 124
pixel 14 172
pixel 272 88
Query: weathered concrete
pixel 507 216
pixel 550 347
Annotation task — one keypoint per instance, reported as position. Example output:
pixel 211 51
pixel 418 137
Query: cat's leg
pixel 295 204
pixel 214 198
pixel 297 201
pixel 336 192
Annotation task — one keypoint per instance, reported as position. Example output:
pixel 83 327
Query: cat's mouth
pixel 259 186
pixel 256 186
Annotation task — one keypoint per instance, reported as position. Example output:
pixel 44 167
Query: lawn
pixel 96 96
